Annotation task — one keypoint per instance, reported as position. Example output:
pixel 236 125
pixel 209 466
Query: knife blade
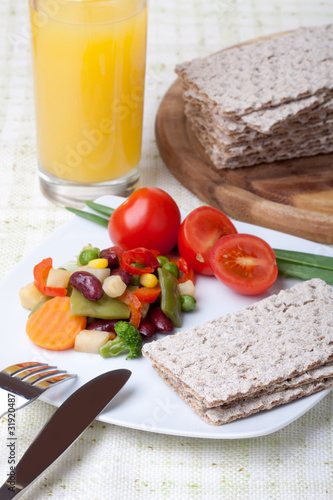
pixel 63 428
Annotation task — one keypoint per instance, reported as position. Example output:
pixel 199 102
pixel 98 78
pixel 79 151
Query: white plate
pixel 145 403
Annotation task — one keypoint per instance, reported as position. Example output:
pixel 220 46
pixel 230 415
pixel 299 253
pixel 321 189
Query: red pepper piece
pixel 41 272
pixel 147 295
pixel 185 271
pixel 134 305
pixel 139 256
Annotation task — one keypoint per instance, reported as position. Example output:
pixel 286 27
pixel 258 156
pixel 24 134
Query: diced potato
pixel 90 341
pixel 30 296
pixel 58 278
pixel 187 288
pixel 101 274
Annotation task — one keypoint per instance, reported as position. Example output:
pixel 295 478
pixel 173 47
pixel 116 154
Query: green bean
pixel 304 265
pixel 102 209
pixel 89 216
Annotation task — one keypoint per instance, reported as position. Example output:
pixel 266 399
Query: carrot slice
pixel 52 326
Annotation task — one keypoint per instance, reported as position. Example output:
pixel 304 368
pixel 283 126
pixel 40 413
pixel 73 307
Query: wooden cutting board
pixel 292 196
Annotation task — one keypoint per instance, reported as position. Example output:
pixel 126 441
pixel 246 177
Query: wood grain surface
pixel 292 196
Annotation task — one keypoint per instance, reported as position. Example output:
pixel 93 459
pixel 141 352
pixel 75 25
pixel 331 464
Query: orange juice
pixel 89 70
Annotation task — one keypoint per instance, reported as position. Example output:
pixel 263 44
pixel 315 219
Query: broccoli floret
pixel 128 339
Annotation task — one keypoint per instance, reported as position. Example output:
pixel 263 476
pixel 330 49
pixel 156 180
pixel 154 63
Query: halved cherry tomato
pixel 147 295
pixel 149 218
pixel 145 258
pixel 41 272
pixel 244 263
pixel 199 232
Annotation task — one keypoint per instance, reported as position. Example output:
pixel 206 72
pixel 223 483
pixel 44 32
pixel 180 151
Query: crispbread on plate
pixel 248 406
pixel 235 356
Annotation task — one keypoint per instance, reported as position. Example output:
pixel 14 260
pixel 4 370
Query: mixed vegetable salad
pixel 108 301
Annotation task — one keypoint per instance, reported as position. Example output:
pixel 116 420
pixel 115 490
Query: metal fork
pixel 27 381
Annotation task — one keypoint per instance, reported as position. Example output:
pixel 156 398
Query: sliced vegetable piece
pixel 145 259
pixel 30 296
pixel 91 340
pixel 104 308
pixel 244 263
pixel 41 272
pixel 52 326
pixel 58 278
pixel 134 305
pixel 199 232
pixel 148 295
pixel 171 303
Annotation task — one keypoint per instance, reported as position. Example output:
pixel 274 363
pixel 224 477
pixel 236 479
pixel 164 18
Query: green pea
pixel 172 268
pixel 162 260
pixel 86 256
pixel 188 303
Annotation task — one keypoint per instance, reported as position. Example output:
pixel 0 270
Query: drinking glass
pixel 89 68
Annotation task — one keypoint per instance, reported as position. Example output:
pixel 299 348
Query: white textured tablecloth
pixel 110 462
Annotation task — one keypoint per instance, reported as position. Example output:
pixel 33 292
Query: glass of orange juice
pixel 89 69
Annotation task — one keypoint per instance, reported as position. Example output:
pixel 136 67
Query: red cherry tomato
pixel 244 263
pixel 149 218
pixel 198 233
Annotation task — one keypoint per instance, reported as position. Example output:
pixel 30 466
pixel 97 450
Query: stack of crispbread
pixel 265 101
pixel 264 355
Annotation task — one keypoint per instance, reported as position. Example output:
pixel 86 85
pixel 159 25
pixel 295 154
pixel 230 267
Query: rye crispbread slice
pixel 221 415
pixel 309 377
pixel 289 138
pixel 266 343
pixel 307 147
pixel 240 133
pixel 266 73
pixel 264 120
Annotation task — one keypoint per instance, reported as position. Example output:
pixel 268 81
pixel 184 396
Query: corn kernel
pixel 98 263
pixel 148 280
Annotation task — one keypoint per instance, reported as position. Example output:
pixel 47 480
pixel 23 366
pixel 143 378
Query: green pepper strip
pixel 171 303
pixel 89 216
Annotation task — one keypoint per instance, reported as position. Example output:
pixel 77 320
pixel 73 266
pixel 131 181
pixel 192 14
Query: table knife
pixel 63 428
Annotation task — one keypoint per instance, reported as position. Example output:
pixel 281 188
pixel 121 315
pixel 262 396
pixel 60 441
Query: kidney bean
pixel 146 328
pixel 160 321
pixel 111 256
pixel 104 325
pixel 87 284
pixel 125 276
